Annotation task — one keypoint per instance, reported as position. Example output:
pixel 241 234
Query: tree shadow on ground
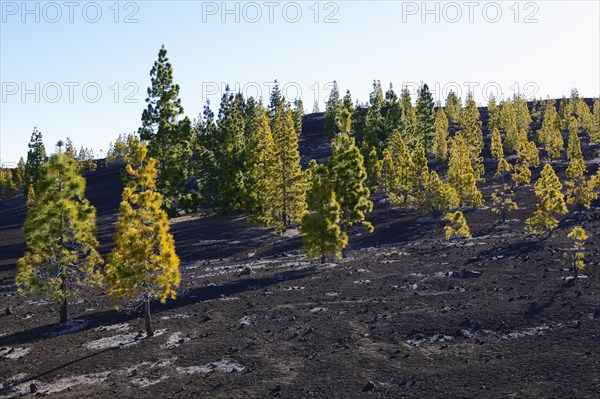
pixel 193 296
pixel 521 248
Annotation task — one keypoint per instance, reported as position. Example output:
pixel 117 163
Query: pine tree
pixel 168 137
pixel 315 109
pixel 574 144
pixel 19 173
pixel 347 102
pixel 550 134
pixel 503 169
pixel 229 152
pixel 263 165
pixel 347 172
pixel 521 173
pixel 503 201
pixel 275 103
pixel 440 143
pixel 460 173
pixel 30 202
pixel 375 131
pixel 8 184
pixel 290 187
pixel 426 126
pixel 594 130
pixel 399 172
pixel 579 190
pixel 453 107
pixel 496 147
pixel 36 157
pixel 320 226
pixel 333 107
pixel 143 265
pixel 392 112
pixel 437 196
pixel 458 226
pixel 60 235
pixel 373 168
pixel 297 114
pixel 523 118
pixel 508 123
pixel 409 120
pixel 579 237
pixel 548 189
pixel 527 150
pixel 494 115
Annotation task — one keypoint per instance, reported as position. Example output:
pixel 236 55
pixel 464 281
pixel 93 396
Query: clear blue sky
pixel 541 48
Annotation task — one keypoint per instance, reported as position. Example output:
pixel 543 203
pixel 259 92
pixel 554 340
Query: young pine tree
pixel 453 107
pixel 168 137
pixel 494 115
pixel 470 125
pixel 440 142
pixel 426 119
pixel 460 173
pixel 436 196
pixel 60 235
pixel 143 265
pixel 580 191
pixel 348 175
pixel 503 201
pixel 527 150
pixel 508 123
pixel 36 157
pixel 579 237
pixel 333 107
pixel 458 226
pixel 373 167
pixel 574 144
pixel 30 202
pixel 399 173
pixel 496 147
pixel 552 203
pixel 550 134
pixel 320 225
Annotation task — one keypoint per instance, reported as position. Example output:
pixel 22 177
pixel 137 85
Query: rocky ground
pixel 404 314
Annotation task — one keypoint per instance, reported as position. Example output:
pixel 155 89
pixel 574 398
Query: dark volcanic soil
pixel 405 314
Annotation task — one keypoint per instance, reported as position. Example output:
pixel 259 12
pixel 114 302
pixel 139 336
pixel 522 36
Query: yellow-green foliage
pixel 458 226
pixel 289 201
pixel 348 175
pixel 579 237
pixel 436 196
pixel 548 189
pixel 321 222
pixel 263 165
pixel 399 172
pixel 494 115
pixel 496 146
pixel 579 190
pixel 460 173
pixel 503 169
pixel 470 125
pixel 550 134
pixel 440 143
pixel 503 201
pixel 594 124
pixel 373 166
pixel 508 123
pixel 30 202
pixel 143 265
pixel 521 174
pixel 574 144
pixel 453 107
pixel 527 150
pixel 60 235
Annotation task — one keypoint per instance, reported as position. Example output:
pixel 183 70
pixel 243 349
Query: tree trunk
pixel 322 258
pixel 575 270
pixel 147 321
pixel 63 304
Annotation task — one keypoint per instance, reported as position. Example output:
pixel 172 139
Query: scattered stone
pixel 33 388
pixel 8 311
pixel 369 387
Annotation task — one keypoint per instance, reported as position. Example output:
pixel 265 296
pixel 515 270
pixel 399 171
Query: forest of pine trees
pixel 410 153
